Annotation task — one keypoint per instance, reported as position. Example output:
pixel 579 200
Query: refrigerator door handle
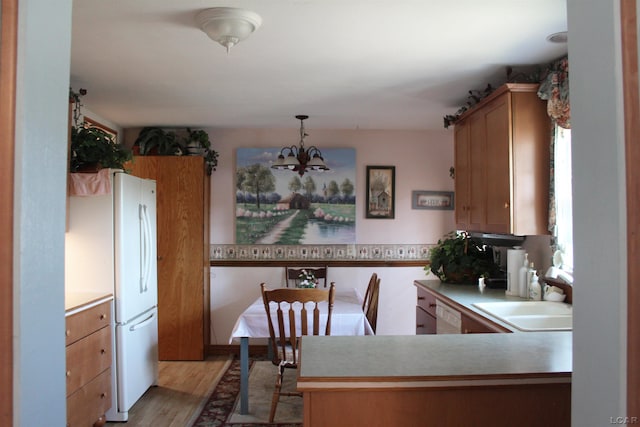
pixel 146 248
pixel 142 323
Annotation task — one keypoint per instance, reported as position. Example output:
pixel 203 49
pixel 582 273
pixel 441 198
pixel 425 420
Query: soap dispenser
pixel 535 291
pixel 522 278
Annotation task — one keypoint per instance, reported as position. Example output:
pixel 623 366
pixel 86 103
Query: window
pixel 564 213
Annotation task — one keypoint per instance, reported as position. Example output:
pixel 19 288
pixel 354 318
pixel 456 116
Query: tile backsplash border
pixel 382 252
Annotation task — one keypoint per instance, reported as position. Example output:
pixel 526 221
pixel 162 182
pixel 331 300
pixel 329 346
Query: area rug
pixel 222 407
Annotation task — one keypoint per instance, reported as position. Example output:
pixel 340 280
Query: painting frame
pixel 380 192
pixel 432 200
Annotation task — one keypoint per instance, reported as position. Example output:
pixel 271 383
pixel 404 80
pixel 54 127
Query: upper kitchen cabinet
pixel 183 252
pixel 502 163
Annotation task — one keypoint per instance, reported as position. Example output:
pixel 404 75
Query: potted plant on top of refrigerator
pixel 93 148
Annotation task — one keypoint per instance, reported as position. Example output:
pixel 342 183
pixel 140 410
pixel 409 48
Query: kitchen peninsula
pixel 497 379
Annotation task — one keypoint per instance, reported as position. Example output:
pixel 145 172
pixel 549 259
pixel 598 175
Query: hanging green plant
pixel 93 148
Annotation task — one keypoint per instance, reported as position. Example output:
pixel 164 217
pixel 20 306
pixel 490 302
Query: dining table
pixel 347 318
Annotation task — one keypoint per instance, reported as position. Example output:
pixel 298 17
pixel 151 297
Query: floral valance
pixel 554 87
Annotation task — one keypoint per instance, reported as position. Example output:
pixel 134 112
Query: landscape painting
pixel 283 208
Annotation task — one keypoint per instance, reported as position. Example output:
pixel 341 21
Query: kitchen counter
pixel 463 296
pixel 78 301
pixel 476 379
pixel 452 379
pixel 436 360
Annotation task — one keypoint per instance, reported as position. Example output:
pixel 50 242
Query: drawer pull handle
pixel 420 326
pixel 103 316
pixel 103 395
pixel 433 304
pixel 420 298
pixel 68 373
pixel 68 333
pixel 102 351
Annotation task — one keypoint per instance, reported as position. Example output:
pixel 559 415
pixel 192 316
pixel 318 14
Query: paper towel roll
pixel 515 259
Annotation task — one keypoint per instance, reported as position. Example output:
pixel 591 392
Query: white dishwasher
pixel 448 320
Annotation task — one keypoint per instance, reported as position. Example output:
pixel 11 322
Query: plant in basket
pixel 458 259
pixel 307 280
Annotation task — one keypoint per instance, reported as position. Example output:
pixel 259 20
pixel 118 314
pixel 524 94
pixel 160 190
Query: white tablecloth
pixel 347 318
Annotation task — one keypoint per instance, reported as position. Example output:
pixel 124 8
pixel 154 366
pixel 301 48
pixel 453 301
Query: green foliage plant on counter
pixel 458 259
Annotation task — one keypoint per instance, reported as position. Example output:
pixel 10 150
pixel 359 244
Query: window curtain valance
pixel 554 88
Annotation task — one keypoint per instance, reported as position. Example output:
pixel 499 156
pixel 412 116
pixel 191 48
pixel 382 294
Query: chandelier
pixel 299 159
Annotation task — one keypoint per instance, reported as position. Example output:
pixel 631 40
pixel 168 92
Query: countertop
pixel 434 360
pixel 78 301
pixel 464 295
pixel 421 361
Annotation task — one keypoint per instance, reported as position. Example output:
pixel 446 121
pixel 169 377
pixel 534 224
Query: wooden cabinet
pixel 478 325
pixel 469 322
pixel 89 355
pixel 502 163
pixel 183 252
pixel 425 313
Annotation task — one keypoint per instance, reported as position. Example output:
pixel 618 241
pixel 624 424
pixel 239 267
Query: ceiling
pixel 348 64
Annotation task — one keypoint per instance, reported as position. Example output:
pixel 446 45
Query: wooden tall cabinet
pixel 183 252
pixel 502 163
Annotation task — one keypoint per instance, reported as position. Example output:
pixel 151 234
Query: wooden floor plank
pixel 181 391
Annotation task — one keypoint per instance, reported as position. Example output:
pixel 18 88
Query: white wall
pixel 235 288
pixel 422 160
pixel 599 329
pixel 40 188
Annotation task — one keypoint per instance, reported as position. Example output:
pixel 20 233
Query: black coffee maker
pixel 496 246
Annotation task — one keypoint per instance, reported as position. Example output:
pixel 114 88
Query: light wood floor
pixel 182 388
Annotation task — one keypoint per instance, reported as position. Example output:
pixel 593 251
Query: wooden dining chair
pixel 297 313
pixel 370 303
pixel 292 275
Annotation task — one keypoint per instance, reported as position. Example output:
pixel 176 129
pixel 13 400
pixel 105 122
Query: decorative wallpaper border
pixel 320 252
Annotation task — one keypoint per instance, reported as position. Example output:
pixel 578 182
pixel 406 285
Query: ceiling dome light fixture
pixel 298 159
pixel 228 25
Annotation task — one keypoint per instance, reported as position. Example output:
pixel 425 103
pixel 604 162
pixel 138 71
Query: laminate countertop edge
pixel 75 302
pixel 422 361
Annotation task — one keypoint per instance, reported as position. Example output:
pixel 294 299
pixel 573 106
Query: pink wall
pixel 422 160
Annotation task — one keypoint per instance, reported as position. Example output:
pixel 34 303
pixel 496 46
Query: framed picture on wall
pixel 381 192
pixel 439 200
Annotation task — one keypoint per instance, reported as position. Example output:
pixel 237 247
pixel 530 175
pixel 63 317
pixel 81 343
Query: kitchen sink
pixel 531 315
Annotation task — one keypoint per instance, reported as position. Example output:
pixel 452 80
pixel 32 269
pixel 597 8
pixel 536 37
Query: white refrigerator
pixel 111 247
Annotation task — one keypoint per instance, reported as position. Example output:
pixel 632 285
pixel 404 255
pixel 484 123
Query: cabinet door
pixel 182 221
pixel 477 174
pixel 498 201
pixel 462 175
pixel 425 322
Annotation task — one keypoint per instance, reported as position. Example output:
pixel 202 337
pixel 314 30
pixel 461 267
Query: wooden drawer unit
pixel 89 356
pixel 85 322
pixel 425 313
pixel 98 392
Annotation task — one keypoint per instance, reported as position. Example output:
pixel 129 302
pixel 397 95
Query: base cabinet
pixel 496 406
pixel 425 313
pixel 467 322
pixel 88 339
